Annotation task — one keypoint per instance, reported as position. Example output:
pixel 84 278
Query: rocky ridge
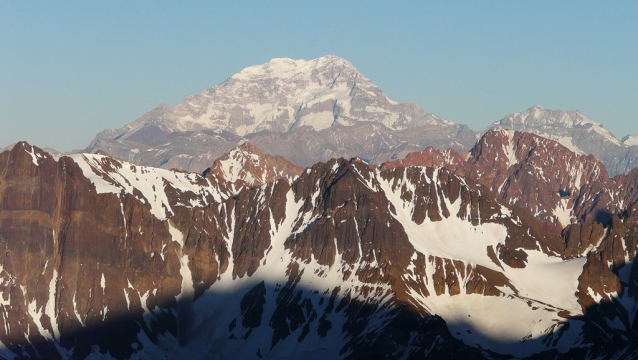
pixel 577 132
pixel 345 261
pixel 547 179
pixel 248 164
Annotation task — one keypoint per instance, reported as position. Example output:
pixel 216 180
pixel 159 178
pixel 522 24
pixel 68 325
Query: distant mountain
pixel 105 259
pixel 576 132
pixel 323 105
pixel 630 140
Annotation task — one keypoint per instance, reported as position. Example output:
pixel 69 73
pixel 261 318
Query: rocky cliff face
pixel 104 258
pixel 249 165
pixel 548 180
pixel 576 132
pixel 320 105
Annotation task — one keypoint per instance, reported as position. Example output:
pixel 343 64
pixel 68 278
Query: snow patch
pixel 563 213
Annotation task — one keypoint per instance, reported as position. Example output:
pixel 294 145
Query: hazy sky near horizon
pixel 71 69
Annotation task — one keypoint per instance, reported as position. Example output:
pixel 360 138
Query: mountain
pixel 576 132
pixel 56 154
pixel 106 259
pixel 548 180
pixel 324 105
pixel 630 140
pixel 249 165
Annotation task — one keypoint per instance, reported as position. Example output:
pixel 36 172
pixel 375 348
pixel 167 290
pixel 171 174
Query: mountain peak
pixel 246 163
pixel 535 107
pixel 283 95
pixel 630 140
pixel 331 66
pixel 572 129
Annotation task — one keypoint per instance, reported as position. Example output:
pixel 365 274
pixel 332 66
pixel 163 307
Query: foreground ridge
pixel 343 260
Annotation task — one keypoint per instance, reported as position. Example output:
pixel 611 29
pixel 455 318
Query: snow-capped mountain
pixel 630 140
pixel 576 132
pixel 321 103
pixel 106 259
pixel 249 165
pixel 551 182
pixel 283 95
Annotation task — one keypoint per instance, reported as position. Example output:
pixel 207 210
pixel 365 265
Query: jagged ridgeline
pixel 311 111
pixel 257 258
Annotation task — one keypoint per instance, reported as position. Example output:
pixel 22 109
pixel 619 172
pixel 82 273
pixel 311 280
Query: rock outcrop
pixel 249 165
pixel 548 180
pixel 578 133
pixel 104 258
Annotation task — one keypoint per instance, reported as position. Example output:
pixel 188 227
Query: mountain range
pixel 313 110
pixel 577 132
pixel 340 260
pixel 323 220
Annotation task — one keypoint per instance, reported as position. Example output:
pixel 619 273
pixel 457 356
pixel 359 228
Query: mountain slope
pixel 347 261
pixel 548 180
pixel 286 94
pixel 313 102
pixel 249 165
pixel 576 132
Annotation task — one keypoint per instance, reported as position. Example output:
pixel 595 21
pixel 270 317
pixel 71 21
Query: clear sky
pixel 71 69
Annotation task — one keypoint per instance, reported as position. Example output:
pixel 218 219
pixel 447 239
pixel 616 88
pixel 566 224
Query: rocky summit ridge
pixel 550 181
pixel 104 258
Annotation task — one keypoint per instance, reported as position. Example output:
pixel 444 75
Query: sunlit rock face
pixel 578 133
pixel 548 180
pixel 248 164
pixel 103 258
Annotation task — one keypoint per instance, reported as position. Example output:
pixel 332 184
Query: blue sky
pixel 69 70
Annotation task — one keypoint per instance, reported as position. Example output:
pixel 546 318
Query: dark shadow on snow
pixel 427 337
